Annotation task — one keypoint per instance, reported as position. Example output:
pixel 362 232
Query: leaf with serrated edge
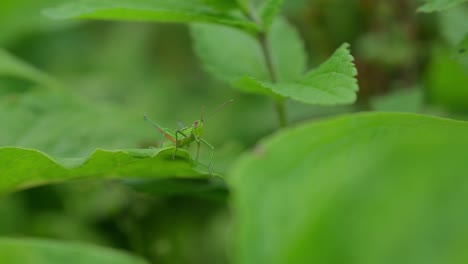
pixel 20 168
pixel 333 82
pixel 357 189
pixel 42 251
pixel 147 10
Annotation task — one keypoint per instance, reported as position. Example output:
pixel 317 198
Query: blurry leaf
pixel 20 168
pixel 12 66
pixel 439 5
pixel 35 251
pixel 269 11
pixel 391 48
pixel 452 24
pixel 446 81
pixel 222 5
pixel 65 125
pixel 403 100
pixel 20 18
pixel 244 4
pixel 147 10
pixel 368 188
pixel 461 52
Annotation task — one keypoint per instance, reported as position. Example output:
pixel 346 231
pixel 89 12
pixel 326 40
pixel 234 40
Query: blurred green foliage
pixel 70 86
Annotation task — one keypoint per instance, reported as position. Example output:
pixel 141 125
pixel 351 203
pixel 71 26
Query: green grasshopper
pixel 189 134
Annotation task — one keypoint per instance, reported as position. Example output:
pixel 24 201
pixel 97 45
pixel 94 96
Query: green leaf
pixel 39 251
pixel 20 168
pixel 12 66
pixel 439 5
pixel 65 125
pixel 333 82
pixel 269 11
pixel 366 188
pixel 237 58
pixel 148 10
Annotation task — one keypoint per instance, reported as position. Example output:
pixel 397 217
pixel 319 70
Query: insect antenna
pixel 202 112
pixel 218 108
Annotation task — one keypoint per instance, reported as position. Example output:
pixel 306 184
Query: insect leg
pixel 198 149
pixel 212 154
pixel 177 142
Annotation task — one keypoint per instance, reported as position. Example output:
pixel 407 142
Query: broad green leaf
pixel 236 57
pixel 20 168
pixel 269 11
pixel 365 188
pixel 40 251
pixel 148 10
pixel 439 5
pixel 12 66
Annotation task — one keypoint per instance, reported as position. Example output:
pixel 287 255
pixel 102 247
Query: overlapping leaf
pixel 367 188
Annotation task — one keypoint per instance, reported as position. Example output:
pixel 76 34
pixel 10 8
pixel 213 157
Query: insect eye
pixel 195 123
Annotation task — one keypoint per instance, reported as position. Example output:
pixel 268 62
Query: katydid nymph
pixel 185 136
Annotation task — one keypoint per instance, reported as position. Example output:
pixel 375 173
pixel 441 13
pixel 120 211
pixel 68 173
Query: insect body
pixel 187 135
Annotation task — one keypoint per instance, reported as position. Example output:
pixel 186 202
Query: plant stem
pixel 262 38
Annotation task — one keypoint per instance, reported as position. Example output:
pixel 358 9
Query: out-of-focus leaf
pixel 367 188
pixel 222 5
pixel 461 52
pixel 20 168
pixel 12 66
pixel 35 251
pixel 147 10
pixel 395 44
pixel 19 18
pixel 439 5
pixel 452 24
pixel 404 100
pixel 446 81
pixel 269 11
pixel 65 125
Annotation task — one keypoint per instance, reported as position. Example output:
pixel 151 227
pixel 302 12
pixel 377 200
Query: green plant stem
pixel 262 38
